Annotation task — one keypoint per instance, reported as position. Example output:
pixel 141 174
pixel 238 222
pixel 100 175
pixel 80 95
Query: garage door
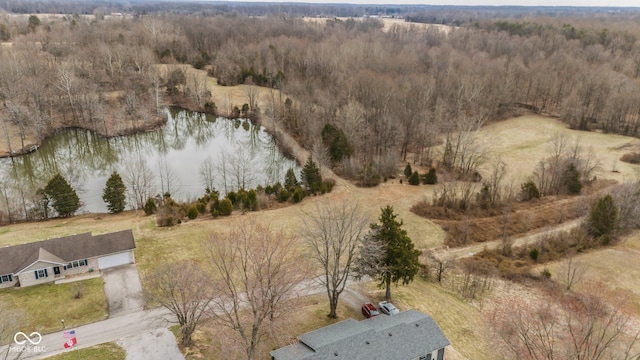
pixel 109 261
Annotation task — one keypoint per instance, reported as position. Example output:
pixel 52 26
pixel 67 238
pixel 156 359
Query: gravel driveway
pixel 123 290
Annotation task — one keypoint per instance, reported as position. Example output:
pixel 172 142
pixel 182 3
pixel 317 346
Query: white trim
pixel 33 263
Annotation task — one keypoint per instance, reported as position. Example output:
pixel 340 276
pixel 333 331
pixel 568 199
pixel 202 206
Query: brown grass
pixel 306 314
pixel 523 141
pixel 480 225
pixel 618 268
pixel 514 140
pixel 459 320
pixel 631 158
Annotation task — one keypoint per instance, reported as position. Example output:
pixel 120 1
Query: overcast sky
pixel 634 3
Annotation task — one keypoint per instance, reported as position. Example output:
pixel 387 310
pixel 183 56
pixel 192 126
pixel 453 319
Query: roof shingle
pixel 15 258
pixel 407 335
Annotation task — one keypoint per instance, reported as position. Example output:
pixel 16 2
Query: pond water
pixel 191 152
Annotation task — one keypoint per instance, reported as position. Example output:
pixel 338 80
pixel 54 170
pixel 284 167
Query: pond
pixel 193 151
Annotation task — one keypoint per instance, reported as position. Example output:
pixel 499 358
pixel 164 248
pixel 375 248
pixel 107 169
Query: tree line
pixel 359 97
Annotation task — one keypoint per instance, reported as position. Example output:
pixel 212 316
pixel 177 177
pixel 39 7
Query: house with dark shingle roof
pixel 409 335
pixel 49 260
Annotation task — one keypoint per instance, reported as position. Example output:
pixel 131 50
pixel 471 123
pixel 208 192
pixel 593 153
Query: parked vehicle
pixel 388 308
pixel 368 310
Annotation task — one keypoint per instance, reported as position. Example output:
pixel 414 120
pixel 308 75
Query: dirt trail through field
pixel 456 253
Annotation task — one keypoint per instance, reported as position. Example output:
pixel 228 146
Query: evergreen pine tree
pixel 408 171
pixel 603 217
pixel 290 180
pixel 414 179
pixel 311 177
pixel 114 194
pixel 399 261
pixel 336 142
pixel 63 197
pixel 431 177
pixel 572 180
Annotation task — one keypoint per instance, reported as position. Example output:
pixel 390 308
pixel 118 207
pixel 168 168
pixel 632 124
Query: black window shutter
pixel 45 273
pixel 36 274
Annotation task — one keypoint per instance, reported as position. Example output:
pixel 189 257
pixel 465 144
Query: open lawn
pixel 522 141
pixel 460 321
pixel 106 351
pixel 617 268
pixel 41 307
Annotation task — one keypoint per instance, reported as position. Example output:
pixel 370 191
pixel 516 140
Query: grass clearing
pixel 41 307
pixel 617 268
pixel 459 320
pixel 106 351
pixel 527 137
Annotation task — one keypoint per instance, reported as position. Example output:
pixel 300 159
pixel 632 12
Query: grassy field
pixel 616 268
pixel 527 137
pixel 42 307
pixel 513 140
pixel 460 321
pixel 106 351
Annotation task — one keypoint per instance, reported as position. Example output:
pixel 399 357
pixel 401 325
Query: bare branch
pixel 258 270
pixel 333 234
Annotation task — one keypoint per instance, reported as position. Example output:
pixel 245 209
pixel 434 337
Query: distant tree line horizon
pixel 360 98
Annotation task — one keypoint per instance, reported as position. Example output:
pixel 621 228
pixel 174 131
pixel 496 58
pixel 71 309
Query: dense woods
pixel 359 95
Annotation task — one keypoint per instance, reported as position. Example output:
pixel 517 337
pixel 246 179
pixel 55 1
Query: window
pixel 6 278
pixel 41 274
pixel 75 264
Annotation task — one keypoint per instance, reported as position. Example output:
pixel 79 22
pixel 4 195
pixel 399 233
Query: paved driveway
pixel 152 345
pixel 123 290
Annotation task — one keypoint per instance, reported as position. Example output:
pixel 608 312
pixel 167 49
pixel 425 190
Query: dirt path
pixel 456 253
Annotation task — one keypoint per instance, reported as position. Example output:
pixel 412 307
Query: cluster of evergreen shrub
pixel 414 178
pixel 170 213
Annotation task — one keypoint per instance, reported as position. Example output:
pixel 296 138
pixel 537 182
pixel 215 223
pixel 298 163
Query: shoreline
pixel 32 147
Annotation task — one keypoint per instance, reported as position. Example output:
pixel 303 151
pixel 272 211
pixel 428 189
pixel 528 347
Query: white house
pixel 49 260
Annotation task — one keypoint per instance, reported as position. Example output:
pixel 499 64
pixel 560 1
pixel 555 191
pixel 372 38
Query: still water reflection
pixel 191 151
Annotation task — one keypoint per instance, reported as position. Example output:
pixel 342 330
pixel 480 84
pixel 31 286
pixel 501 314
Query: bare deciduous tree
pixel 9 325
pixel 169 180
pixel 139 178
pixel 207 175
pixel 334 233
pixel 627 197
pixel 581 327
pixel 242 165
pixel 571 273
pixel 184 290
pixel 258 270
pixel 438 264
